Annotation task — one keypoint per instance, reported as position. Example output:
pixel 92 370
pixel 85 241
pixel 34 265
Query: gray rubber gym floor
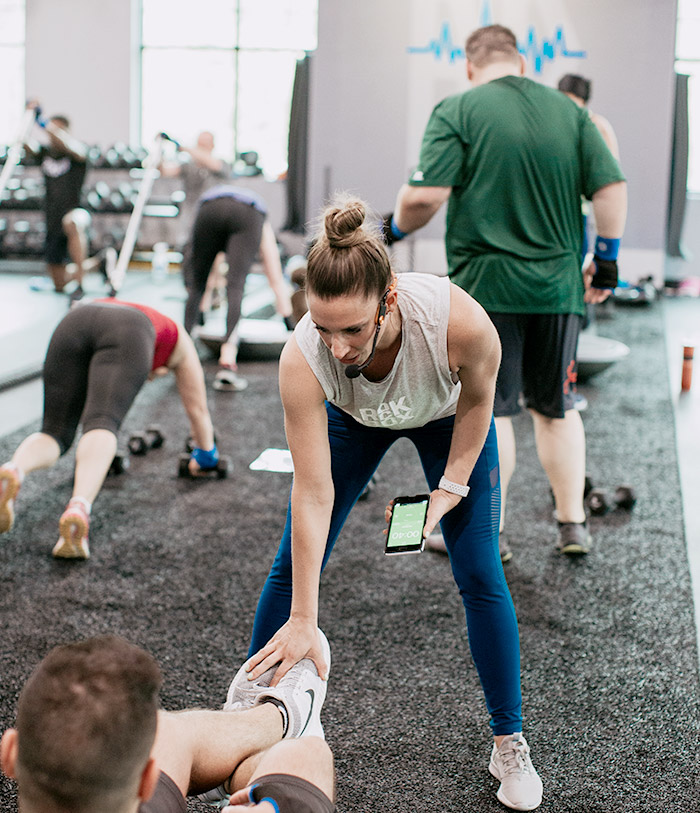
pixel 609 656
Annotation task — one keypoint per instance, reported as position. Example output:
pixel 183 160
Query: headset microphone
pixel 354 370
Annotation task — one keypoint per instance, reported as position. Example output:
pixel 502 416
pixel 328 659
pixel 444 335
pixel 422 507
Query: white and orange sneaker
pixel 10 481
pixel 73 527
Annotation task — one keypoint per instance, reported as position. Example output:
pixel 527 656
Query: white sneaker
pixel 302 692
pixel 521 787
pixel 242 693
pixel 228 380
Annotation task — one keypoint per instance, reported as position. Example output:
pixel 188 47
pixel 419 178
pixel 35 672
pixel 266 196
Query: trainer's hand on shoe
pixel 295 640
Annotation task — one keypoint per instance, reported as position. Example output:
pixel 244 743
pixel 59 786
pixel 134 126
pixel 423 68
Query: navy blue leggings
pixel 471 536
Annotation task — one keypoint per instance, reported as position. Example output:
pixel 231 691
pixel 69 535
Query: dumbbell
pixel 119 464
pixel 220 471
pixel 599 501
pixel 190 444
pixel 140 442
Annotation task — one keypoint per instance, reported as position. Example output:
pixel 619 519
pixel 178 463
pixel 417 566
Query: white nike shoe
pixel 302 692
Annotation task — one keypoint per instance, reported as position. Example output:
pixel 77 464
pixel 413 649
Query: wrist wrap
pixel 607 248
pixel 390 231
pixel 204 459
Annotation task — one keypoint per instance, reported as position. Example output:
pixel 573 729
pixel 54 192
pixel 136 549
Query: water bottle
pixel 159 263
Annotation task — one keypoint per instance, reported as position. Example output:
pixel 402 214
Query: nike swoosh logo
pixel 312 695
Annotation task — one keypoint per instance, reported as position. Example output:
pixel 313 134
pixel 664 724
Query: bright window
pixel 688 62
pixel 229 69
pixel 12 28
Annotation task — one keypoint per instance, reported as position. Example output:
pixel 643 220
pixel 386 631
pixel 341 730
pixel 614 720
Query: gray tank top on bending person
pixel 420 386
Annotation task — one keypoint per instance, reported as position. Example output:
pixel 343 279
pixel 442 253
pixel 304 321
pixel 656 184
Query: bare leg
pixel 201 749
pixel 38 451
pixel 506 458
pixel 229 350
pixel 75 225
pixel 272 268
pixel 93 458
pixel 59 275
pixel 308 758
pixel 561 448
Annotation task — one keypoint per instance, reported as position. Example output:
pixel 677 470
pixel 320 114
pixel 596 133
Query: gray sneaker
pixel 574 538
pixel 302 692
pixel 242 693
pixel 521 787
pixel 504 549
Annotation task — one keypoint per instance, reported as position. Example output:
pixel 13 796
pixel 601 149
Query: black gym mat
pixel 609 657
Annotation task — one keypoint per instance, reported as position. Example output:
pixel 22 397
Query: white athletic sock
pixel 86 505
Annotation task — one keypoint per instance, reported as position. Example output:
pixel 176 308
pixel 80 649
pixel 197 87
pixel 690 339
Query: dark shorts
pixel 290 794
pixel 166 798
pixel 538 361
pixel 56 247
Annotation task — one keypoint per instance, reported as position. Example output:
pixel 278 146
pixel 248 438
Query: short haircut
pixel 86 723
pixel 63 121
pixel 348 255
pixel 493 43
pixel 576 85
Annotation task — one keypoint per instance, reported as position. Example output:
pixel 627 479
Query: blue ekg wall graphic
pixel 538 51
pixel 442 46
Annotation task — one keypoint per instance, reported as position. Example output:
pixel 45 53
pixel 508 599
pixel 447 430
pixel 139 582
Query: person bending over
pixel 234 220
pixel 379 357
pixel 89 736
pixel 98 358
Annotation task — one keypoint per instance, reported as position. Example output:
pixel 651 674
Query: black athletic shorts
pixel 538 361
pixel 290 794
pixel 166 798
pixel 56 247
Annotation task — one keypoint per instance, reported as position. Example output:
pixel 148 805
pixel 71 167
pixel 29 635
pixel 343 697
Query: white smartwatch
pixel 453 488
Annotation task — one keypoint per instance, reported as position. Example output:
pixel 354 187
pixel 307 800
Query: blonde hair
pixel 348 255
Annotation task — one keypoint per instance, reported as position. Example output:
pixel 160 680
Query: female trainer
pixel 377 358
pixel 98 359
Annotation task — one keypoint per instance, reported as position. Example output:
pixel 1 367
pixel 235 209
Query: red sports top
pixel 166 330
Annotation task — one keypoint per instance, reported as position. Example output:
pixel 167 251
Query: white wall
pixel 371 98
pixel 358 111
pixel 79 62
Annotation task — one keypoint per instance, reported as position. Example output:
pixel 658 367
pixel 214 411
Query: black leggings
pixel 98 359
pixel 222 224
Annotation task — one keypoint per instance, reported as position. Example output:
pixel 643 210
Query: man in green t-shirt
pixel 514 158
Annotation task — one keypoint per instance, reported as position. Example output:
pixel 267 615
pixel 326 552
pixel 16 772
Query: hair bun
pixel 343 224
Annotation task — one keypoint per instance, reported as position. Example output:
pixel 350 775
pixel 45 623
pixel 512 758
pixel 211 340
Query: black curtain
pixel 298 146
pixel 679 170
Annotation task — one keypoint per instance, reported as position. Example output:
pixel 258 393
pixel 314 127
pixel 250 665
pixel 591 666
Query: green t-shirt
pixel 519 156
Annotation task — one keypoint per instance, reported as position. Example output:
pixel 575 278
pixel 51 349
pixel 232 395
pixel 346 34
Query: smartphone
pixel 405 534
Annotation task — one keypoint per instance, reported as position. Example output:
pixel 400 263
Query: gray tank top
pixel 420 386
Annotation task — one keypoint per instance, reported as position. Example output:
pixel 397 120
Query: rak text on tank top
pixel 420 386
